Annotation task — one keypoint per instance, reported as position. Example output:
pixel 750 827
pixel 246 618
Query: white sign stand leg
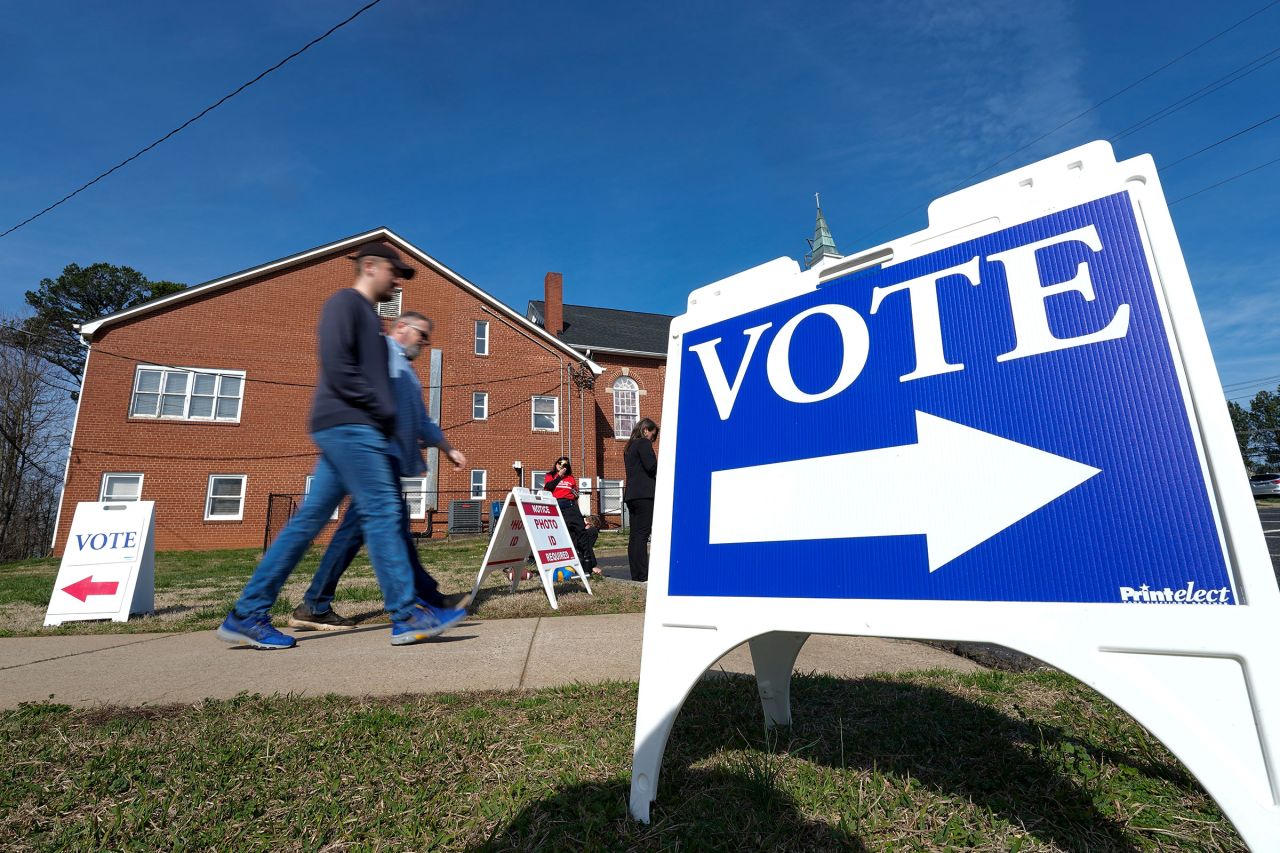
pixel 774 657
pixel 1212 708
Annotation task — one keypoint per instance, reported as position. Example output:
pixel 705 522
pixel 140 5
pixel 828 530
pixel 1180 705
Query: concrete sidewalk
pixel 494 654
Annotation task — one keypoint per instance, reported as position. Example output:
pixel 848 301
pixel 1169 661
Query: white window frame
pixel 480 400
pixel 555 414
pixel 390 309
pixel 102 493
pixel 482 337
pixel 620 394
pixel 208 497
pixel 484 483
pixel 416 486
pixel 306 493
pixel 539 477
pixel 191 373
pixel 609 488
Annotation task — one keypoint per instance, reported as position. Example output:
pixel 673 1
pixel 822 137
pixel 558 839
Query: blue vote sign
pixel 1003 419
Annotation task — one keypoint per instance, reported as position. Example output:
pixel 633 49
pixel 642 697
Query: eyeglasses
pixel 426 335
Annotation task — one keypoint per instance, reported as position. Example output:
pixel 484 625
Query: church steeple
pixel 823 245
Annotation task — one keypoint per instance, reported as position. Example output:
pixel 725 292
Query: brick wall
pixel 266 327
pixel 650 375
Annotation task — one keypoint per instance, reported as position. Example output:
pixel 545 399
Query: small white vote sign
pixel 108 569
pixel 531 525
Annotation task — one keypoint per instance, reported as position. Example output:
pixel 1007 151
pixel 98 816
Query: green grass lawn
pixel 932 761
pixel 195 589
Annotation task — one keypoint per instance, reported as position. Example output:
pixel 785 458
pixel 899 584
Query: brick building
pixel 630 349
pixel 199 400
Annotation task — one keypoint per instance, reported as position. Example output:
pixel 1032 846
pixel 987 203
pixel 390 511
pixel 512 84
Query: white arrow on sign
pixel 957 485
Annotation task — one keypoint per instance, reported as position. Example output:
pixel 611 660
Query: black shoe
pixel 305 620
pixel 457 601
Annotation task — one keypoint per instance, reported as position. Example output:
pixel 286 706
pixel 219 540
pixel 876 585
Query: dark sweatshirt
pixel 353 386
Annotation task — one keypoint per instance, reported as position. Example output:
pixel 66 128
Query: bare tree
pixel 34 441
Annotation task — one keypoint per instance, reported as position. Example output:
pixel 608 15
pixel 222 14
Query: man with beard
pixel 352 419
pixel 414 430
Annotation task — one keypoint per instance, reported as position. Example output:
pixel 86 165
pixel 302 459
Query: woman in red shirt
pixel 564 488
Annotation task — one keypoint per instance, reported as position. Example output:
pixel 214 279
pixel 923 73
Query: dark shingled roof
pixel 608 328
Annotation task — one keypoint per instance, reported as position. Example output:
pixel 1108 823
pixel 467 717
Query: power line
pixel 200 115
pixel 1249 396
pixel 147 363
pixel 1182 103
pixel 1236 386
pixel 1220 141
pixel 126 455
pixel 270 456
pixel 17 448
pixel 1081 114
pixel 1225 181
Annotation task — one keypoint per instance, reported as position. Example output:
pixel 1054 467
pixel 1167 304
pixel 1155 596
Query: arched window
pixel 626 406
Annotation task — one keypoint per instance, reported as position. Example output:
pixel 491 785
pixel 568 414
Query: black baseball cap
pixel 382 250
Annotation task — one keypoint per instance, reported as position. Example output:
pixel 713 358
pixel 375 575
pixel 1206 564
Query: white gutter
pixel 87 330
pixel 642 353
pixel 66 471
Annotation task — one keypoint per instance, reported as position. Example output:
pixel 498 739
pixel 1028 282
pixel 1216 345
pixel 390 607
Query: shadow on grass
pixel 175 609
pixel 722 810
pixel 878 743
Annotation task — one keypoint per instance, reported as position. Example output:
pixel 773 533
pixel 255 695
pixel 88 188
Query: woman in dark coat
pixel 641 464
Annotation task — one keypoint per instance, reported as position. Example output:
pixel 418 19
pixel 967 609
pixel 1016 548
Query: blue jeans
pixel 343 548
pixel 355 460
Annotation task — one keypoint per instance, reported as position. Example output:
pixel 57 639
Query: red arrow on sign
pixel 86 587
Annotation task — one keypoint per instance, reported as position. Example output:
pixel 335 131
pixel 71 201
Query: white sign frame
pixel 528 526
pixel 108 567
pixel 1202 679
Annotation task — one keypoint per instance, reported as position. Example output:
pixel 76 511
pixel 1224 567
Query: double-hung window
pixel 546 414
pixel 479 405
pixel 414 490
pixel 121 487
pixel 482 337
pixel 479 479
pixel 187 394
pixel 224 500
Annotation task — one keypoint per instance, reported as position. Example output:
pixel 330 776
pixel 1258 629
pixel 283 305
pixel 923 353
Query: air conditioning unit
pixel 465 516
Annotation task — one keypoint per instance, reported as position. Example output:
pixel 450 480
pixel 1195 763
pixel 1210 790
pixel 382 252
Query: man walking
pixel 352 415
pixel 414 431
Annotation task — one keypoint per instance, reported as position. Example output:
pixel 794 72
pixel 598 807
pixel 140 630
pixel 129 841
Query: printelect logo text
pixel 1146 595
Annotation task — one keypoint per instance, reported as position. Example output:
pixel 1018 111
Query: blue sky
pixel 641 149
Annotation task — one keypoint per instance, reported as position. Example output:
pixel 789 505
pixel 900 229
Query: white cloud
pixel 998 75
pixel 958 86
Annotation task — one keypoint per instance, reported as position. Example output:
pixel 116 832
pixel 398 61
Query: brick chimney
pixel 553 313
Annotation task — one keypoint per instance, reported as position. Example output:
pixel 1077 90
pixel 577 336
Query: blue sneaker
pixel 257 632
pixel 426 622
